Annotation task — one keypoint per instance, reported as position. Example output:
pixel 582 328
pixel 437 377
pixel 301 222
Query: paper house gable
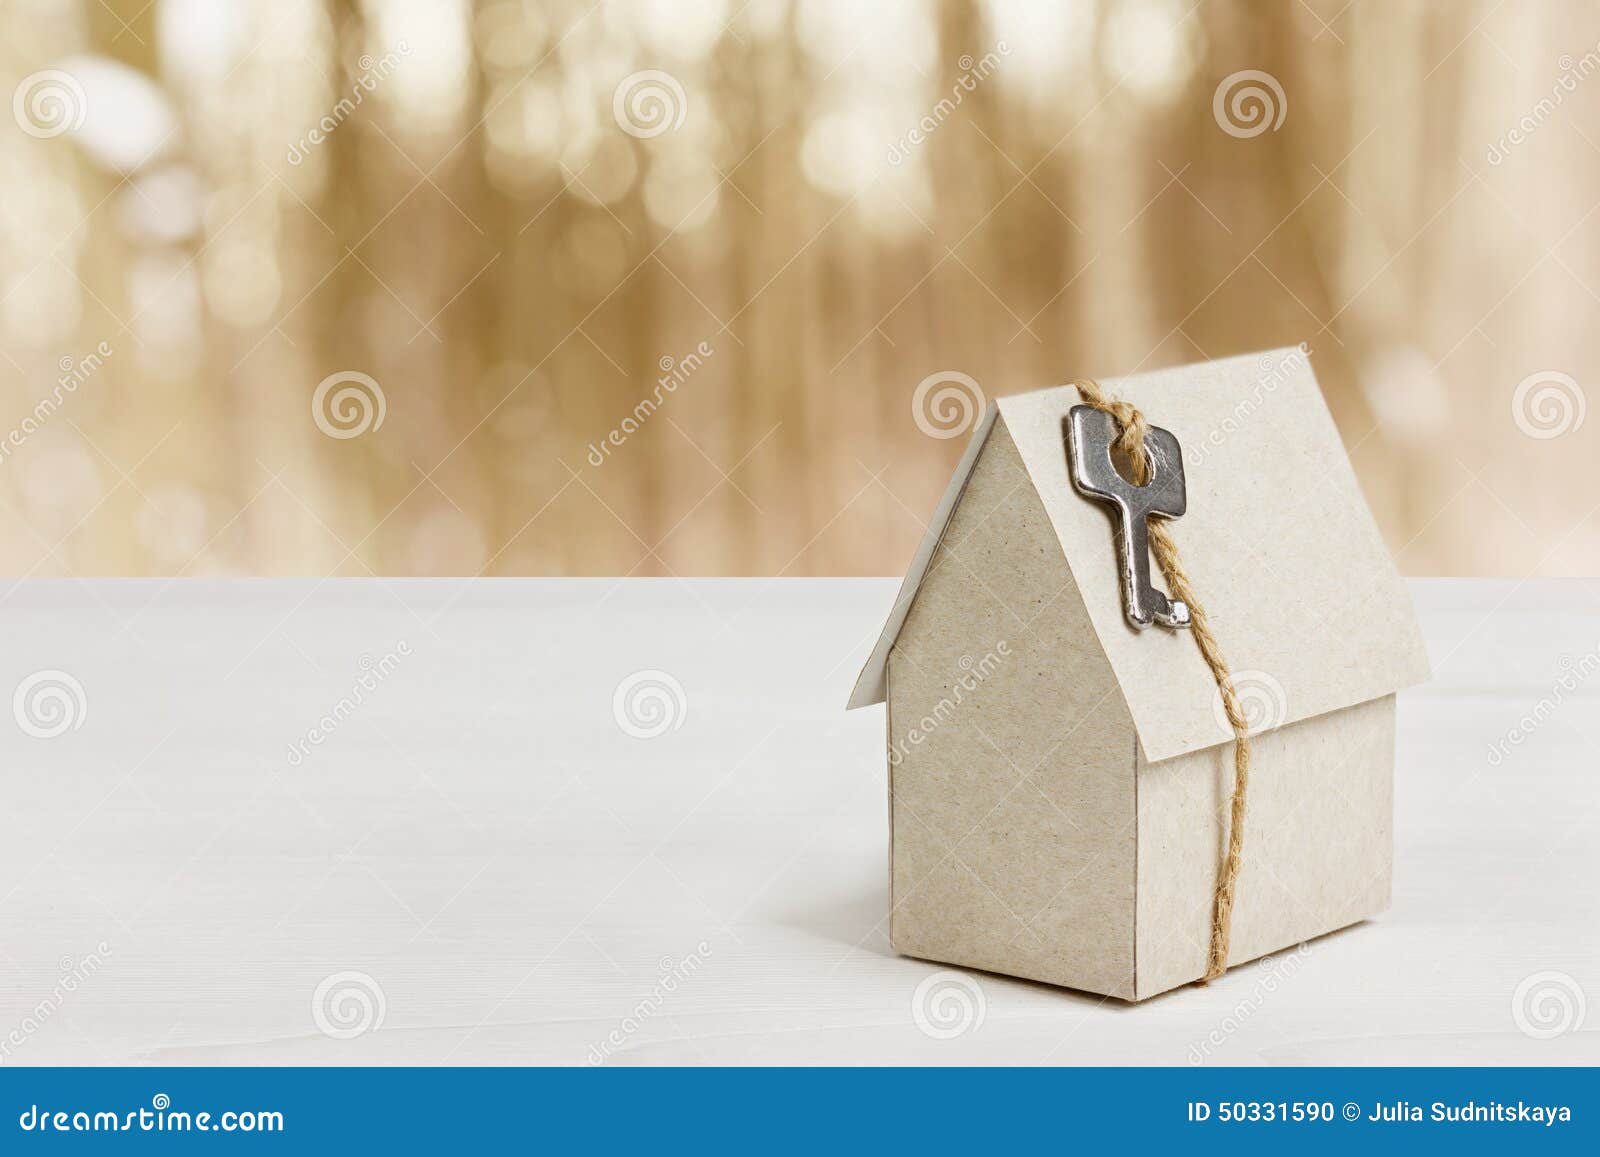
pixel 1059 782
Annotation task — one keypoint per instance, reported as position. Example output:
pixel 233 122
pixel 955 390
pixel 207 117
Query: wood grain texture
pixel 513 870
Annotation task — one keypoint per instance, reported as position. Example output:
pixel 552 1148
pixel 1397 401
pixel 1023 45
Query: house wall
pixel 1012 789
pixel 1317 850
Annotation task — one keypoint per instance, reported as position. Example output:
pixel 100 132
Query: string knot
pixel 1130 448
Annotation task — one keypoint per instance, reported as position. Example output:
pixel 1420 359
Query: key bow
pixel 1090 435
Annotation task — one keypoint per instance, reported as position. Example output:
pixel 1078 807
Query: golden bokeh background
pixel 649 288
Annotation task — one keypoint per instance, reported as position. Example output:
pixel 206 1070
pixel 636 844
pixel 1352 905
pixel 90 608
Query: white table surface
pixel 510 869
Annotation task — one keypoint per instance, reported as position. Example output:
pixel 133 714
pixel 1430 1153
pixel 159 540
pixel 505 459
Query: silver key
pixel 1090 435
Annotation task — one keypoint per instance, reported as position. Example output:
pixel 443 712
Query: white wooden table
pixel 492 871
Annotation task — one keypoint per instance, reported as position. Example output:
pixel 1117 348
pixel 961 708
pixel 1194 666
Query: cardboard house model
pixel 1060 782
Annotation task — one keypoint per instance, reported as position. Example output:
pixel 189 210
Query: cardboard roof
pixel 1294 577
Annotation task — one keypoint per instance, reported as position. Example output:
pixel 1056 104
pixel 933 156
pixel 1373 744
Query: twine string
pixel 1130 448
